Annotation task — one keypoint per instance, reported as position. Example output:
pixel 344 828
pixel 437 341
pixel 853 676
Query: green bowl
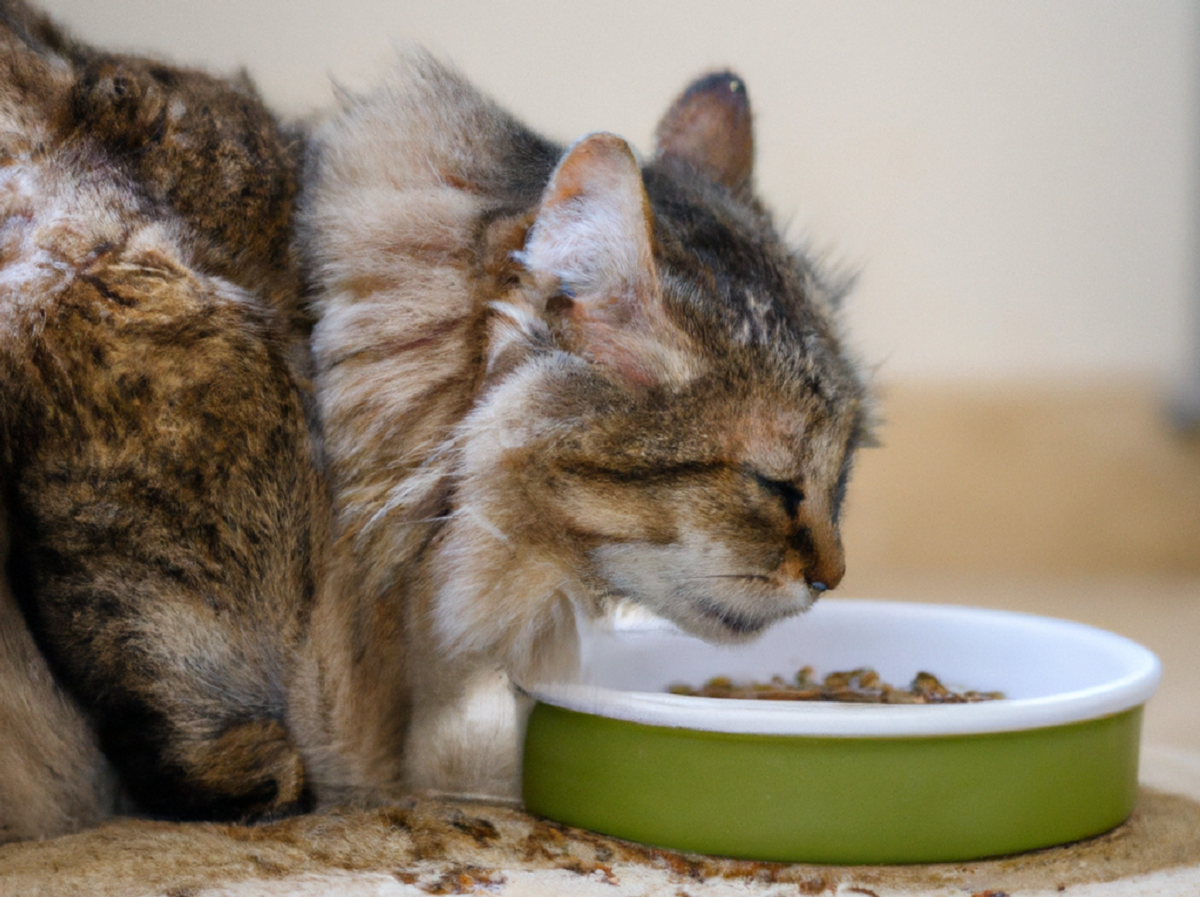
pixel 1055 761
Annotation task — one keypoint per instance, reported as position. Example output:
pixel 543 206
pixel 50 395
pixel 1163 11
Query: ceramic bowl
pixel 1054 761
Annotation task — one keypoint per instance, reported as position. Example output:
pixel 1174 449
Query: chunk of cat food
pixel 858 686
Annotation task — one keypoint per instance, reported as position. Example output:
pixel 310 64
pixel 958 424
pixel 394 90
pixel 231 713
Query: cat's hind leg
pixel 53 777
pixel 187 703
pixel 167 524
pixel 188 766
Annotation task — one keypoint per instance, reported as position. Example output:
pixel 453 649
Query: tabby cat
pixel 165 517
pixel 550 380
pixel 544 380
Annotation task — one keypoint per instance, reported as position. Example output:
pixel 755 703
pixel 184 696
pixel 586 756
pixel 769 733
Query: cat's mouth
pixel 744 617
pixel 715 605
pixel 739 624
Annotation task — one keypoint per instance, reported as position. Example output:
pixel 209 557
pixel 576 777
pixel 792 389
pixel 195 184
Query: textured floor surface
pixel 433 847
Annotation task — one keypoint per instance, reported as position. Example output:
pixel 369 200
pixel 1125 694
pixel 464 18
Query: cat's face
pixel 672 414
pixel 715 504
pixel 716 507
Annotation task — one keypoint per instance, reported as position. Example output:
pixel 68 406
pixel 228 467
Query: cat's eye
pixel 788 493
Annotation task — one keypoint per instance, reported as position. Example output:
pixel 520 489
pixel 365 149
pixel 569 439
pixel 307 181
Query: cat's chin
pixel 715 622
pixel 716 607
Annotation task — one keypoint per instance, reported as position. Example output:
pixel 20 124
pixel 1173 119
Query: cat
pixel 165 514
pixel 551 379
pixel 544 380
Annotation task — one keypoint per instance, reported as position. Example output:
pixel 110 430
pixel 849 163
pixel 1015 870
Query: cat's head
pixel 208 148
pixel 669 414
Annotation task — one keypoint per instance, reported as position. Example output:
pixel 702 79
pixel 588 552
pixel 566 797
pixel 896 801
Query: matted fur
pixel 551 379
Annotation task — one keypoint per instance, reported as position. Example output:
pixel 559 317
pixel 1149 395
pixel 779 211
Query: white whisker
pixel 755 576
pixel 484 524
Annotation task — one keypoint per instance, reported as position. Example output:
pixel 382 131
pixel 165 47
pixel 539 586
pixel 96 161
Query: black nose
pixel 818 586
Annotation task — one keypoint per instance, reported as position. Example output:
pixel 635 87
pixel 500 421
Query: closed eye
pixel 639 473
pixel 788 493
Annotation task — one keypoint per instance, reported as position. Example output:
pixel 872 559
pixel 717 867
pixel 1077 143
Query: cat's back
pixel 102 307
pixel 137 378
pixel 160 480
pixel 57 203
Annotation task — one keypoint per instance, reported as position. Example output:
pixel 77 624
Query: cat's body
pixel 549 380
pixel 166 518
pixel 546 380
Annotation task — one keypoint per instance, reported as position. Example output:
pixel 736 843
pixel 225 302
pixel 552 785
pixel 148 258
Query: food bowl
pixel 1054 761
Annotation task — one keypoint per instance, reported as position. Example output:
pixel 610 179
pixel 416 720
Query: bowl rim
pixel 1141 676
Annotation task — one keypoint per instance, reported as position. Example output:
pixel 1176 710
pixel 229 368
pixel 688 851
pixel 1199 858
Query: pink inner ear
pixel 709 128
pixel 592 238
pixel 592 231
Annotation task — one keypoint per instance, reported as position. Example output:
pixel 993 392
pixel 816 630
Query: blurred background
pixel 1015 185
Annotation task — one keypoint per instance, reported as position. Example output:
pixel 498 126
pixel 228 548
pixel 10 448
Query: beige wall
pixel 1014 179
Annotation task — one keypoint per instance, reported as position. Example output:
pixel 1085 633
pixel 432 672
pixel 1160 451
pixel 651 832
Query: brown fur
pixel 550 380
pixel 210 150
pixel 165 510
pixel 55 778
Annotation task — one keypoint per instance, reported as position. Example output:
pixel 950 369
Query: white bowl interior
pixel 1050 671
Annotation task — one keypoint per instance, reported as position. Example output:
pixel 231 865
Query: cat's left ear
pixel 709 128
pixel 590 250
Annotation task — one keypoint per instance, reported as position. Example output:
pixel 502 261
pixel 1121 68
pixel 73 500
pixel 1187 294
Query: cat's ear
pixel 590 250
pixel 592 230
pixel 709 128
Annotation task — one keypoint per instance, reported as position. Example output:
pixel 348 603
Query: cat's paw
pixel 252 771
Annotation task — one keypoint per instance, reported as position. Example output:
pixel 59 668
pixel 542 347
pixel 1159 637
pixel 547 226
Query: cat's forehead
pixel 781 432
pixel 724 267
pixel 774 441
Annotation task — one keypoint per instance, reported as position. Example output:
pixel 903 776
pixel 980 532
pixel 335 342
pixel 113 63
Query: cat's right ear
pixel 590 251
pixel 709 128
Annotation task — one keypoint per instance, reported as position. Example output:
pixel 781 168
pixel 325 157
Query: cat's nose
pixel 815 553
pixel 826 572
pixel 826 560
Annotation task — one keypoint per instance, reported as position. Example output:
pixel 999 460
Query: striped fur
pixel 552 379
pixel 165 517
pixel 546 380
